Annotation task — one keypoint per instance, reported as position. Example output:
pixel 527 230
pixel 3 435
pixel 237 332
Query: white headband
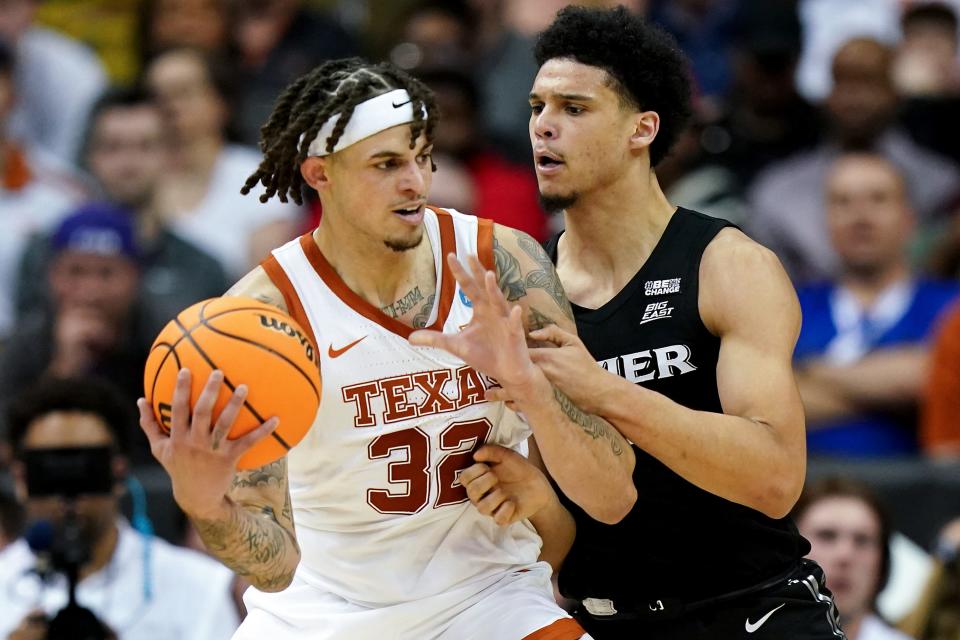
pixel 369 117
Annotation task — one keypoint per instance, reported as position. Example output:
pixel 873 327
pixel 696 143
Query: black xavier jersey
pixel 678 541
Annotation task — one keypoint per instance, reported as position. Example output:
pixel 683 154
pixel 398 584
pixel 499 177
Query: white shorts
pixel 519 606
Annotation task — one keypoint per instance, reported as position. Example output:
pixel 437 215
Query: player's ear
pixel 646 124
pixel 315 172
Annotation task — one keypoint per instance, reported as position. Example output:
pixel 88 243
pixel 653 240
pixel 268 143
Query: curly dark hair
pixel 83 395
pixel 647 69
pixel 334 87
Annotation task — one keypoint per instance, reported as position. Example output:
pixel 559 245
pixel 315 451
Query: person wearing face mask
pixel 69 438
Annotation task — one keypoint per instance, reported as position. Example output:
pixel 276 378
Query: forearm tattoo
pixel 592 425
pixel 256 545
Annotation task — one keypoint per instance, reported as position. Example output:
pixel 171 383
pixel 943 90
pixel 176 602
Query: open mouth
pixel 548 160
pixel 409 211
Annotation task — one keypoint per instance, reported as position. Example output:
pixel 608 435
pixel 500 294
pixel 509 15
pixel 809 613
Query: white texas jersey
pixel 380 515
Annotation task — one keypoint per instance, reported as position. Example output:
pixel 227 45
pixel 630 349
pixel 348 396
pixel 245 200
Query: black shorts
pixel 794 606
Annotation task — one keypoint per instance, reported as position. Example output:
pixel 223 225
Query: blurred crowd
pixel 826 129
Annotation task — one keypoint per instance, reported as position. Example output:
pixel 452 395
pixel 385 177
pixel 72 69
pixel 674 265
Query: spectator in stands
pixel 940 417
pixel 507 69
pixel 786 199
pixel 937 616
pixel 94 326
pixel 849 534
pixel 927 74
pixel 57 80
pixel 703 30
pixel 827 25
pixel 203 25
pixel 125 154
pixel 35 192
pixel 765 120
pixel 926 62
pixel 277 41
pixel 139 586
pixel 199 195
pixel 437 33
pixel 493 187
pixel 862 352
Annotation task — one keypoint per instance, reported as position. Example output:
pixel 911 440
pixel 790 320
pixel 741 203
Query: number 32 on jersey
pixel 415 474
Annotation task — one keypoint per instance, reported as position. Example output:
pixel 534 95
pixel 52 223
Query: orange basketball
pixel 254 344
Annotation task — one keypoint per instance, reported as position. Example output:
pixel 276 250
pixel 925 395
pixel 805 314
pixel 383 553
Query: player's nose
pixel 543 126
pixel 412 179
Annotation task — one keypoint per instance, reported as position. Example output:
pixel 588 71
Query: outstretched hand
pixel 505 485
pixel 198 455
pixel 494 342
pixel 569 367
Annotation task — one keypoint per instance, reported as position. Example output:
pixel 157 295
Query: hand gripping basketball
pixel 253 345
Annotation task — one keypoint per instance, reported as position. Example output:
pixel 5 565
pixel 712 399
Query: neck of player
pixel 614 229
pixel 390 280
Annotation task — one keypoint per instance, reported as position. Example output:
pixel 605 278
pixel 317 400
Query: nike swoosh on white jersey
pixel 753 626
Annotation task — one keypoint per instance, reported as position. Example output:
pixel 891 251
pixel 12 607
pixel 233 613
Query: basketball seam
pixel 185 333
pixel 156 375
pixel 173 346
pixel 293 364
pixel 212 364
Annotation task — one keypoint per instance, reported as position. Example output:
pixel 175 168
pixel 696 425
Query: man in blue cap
pixel 94 325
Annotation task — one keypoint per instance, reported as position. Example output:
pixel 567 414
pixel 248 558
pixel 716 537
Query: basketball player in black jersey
pixel 693 325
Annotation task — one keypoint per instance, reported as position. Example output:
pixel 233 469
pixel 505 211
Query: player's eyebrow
pixel 387 154
pixel 569 97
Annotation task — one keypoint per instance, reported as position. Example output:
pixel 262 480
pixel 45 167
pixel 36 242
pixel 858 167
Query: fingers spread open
pixel 228 416
pixel 203 409
pixel 431 338
pixel 180 405
pixel 239 446
pixel 494 294
pixel 147 422
pixel 470 286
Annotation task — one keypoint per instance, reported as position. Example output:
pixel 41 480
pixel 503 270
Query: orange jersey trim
pixel 562 629
pixel 485 244
pixel 448 244
pixel 294 308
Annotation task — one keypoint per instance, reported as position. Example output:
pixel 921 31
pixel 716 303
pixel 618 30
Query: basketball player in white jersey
pixel 387 544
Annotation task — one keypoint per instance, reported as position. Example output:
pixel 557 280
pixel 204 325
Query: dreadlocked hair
pixel 301 110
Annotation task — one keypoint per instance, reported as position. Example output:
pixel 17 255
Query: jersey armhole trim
pixel 485 244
